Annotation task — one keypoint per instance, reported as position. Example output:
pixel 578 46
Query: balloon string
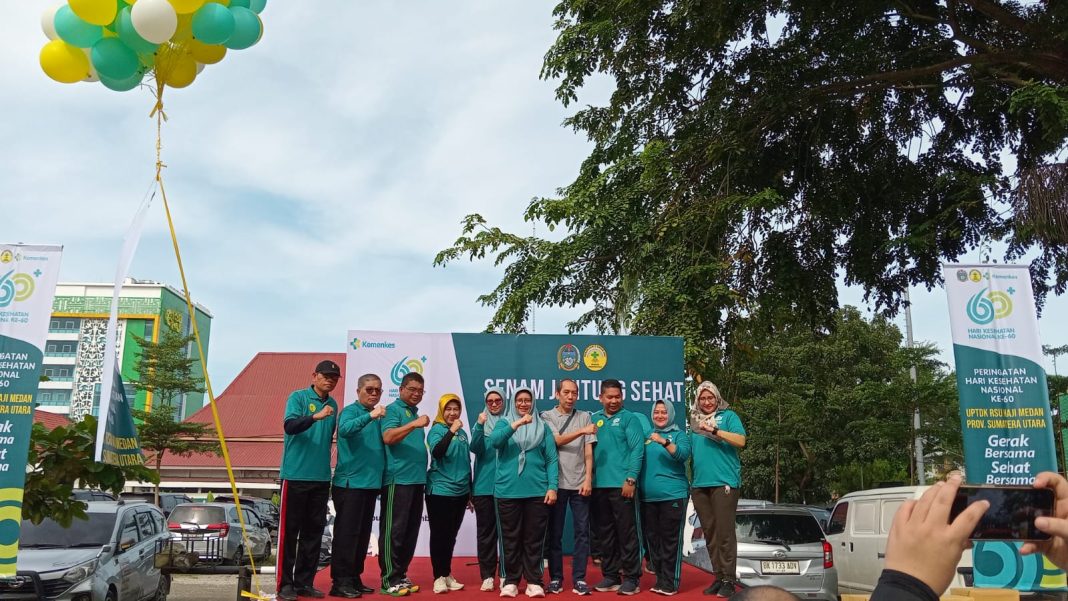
pixel 200 347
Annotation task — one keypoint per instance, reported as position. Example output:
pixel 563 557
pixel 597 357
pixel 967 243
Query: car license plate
pixel 780 567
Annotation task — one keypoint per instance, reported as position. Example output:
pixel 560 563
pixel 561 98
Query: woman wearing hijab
pixel 485 479
pixel 716 435
pixel 448 488
pixel 527 475
pixel 665 490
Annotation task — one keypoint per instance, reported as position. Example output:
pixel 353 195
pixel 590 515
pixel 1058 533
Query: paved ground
pixel 213 588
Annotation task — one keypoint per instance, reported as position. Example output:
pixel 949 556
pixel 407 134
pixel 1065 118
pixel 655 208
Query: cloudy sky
pixel 314 176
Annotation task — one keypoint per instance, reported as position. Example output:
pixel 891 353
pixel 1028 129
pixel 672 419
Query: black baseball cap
pixel 328 368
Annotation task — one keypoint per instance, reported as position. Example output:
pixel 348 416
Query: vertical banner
pixel 116 434
pixel 1004 404
pixel 650 367
pixel 28 277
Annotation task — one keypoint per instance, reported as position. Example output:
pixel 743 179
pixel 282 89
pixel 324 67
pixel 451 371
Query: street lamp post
pixel 921 477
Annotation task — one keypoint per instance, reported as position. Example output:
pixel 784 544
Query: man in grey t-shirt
pixel 575 435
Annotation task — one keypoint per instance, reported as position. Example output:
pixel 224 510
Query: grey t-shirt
pixel 572 455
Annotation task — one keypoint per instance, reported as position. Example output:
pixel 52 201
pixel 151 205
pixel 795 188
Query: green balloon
pixel 213 23
pixel 123 85
pixel 129 36
pixel 73 30
pixel 257 6
pixel 113 59
pixel 241 3
pixel 247 29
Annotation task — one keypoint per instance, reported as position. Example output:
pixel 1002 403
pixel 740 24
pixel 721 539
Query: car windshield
pixel 777 527
pixel 94 532
pixel 197 514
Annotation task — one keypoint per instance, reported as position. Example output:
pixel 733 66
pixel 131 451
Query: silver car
pixel 213 531
pixel 109 557
pixel 781 546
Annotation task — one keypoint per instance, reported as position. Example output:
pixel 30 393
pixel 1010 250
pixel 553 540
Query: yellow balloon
pixel 184 33
pixel 223 2
pixel 181 71
pixel 97 12
pixel 64 63
pixel 209 54
pixel 185 7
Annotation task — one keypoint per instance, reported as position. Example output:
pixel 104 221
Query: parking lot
pixel 215 588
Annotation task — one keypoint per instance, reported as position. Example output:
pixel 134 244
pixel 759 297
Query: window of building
pixel 70 325
pixel 68 348
pixel 54 325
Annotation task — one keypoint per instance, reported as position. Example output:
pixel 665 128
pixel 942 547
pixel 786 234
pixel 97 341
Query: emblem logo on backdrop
pixel 568 357
pixel 595 357
pixel 405 366
pixel 358 344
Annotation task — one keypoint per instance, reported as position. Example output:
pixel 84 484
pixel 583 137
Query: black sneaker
pixel 629 587
pixel 288 593
pixel 311 591
pixel 713 589
pixel 608 585
pixel 363 588
pixel 346 592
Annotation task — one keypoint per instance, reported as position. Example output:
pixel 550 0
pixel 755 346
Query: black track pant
pixel 445 515
pixel 400 518
pixel 523 524
pixel 663 523
pixel 486 534
pixel 300 532
pixel 616 526
pixel 355 512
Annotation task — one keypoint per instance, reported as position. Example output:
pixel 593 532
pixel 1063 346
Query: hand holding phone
pixel 1056 548
pixel 1012 514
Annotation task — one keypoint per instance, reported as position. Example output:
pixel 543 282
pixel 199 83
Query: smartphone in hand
pixel 1012 512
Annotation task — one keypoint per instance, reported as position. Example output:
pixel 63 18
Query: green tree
pixel 818 403
pixel 160 434
pixel 61 458
pixel 755 154
pixel 166 370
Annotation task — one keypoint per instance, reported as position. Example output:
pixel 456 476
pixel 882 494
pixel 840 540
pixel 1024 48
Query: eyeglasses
pixel 414 390
pixel 494 400
pixel 372 390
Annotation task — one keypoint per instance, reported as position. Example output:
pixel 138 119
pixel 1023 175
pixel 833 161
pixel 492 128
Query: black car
pixel 85 494
pixel 167 500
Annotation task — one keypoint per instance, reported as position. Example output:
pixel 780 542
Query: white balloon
pixel 154 20
pixel 48 22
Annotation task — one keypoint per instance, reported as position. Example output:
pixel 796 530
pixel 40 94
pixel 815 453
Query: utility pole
pixel 921 477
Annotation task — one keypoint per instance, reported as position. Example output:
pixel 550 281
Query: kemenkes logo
pixel 406 366
pixel 988 305
pixel 358 344
pixel 15 287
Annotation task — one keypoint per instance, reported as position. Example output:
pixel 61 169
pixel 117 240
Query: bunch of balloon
pixel 122 43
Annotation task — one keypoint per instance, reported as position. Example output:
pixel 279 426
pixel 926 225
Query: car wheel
pixel 112 595
pixel 162 588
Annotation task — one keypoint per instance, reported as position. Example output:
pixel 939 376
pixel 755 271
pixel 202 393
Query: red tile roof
pixel 50 420
pixel 252 407
pixel 254 403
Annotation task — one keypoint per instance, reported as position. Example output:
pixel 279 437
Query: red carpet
pixel 465 570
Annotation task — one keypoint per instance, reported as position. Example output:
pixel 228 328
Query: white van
pixel 857 531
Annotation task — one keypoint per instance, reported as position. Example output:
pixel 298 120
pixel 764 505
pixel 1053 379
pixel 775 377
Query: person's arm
pixel 552 469
pixel 295 421
pixel 680 448
pixel 632 463
pixel 1056 548
pixel 562 439
pixel 899 586
pixel 502 434
pixel 478 438
pixel 732 432
pixel 297 425
pixel 442 446
pixel 352 422
pixel 586 488
pixel 393 431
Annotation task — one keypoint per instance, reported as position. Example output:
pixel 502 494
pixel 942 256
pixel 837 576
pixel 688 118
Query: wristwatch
pixel 715 430
pixel 666 443
pixel 631 481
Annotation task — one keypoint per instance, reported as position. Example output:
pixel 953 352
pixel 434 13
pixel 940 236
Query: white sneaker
pixel 453 584
pixel 487 584
pixel 509 590
pixel 440 586
pixel 534 590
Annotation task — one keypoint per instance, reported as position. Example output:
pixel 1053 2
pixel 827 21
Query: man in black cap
pixel 309 429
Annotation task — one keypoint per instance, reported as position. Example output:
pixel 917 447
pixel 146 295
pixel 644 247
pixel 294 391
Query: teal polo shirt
pixel 449 476
pixel 361 455
pixel 306 456
pixel 406 460
pixel 715 462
